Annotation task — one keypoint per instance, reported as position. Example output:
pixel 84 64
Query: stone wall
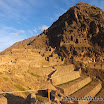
pixel 50 56
pixel 92 93
pixel 96 66
pixel 42 71
pixel 75 86
pixel 64 78
pixel 20 50
pixel 63 69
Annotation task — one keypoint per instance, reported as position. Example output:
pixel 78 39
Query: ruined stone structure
pixel 50 59
pixel 71 83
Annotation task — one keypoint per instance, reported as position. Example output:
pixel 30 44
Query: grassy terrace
pixel 38 97
pixel 6 79
pixel 69 82
pixel 33 74
pixel 20 88
pixel 89 84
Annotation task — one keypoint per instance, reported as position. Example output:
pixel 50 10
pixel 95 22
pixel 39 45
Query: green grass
pixel 33 74
pixel 20 88
pixel 1 73
pixel 69 82
pixel 6 79
pixel 38 97
pixel 29 88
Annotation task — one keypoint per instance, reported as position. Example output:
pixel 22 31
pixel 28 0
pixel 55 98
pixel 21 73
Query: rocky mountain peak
pixel 78 30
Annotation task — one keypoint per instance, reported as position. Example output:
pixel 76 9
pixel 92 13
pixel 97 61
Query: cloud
pixel 31 32
pixel 19 32
pixel 16 9
pixel 35 30
pixel 8 36
pixel 44 27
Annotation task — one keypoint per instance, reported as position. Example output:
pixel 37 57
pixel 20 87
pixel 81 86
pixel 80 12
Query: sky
pixel 22 19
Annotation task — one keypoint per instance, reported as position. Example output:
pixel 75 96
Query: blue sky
pixel 21 19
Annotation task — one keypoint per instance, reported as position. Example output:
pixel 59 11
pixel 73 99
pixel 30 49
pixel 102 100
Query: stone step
pixel 75 85
pixel 60 79
pixel 90 90
pixel 60 71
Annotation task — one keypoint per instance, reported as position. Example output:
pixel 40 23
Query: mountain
pixel 78 30
pixel 56 57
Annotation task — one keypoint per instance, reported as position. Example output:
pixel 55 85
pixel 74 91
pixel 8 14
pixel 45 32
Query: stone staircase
pixel 70 83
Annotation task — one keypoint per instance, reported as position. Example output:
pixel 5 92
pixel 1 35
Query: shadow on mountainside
pixel 12 99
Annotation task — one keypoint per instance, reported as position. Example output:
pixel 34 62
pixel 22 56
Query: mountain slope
pixel 77 37
pixel 78 30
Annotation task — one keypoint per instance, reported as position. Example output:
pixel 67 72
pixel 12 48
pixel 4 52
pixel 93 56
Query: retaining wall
pixel 65 77
pixel 92 93
pixel 76 85
pixel 63 69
